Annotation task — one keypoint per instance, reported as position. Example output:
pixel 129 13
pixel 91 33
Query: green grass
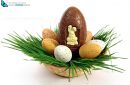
pixel 31 46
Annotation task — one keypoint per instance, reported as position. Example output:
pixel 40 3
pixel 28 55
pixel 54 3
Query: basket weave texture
pixel 61 71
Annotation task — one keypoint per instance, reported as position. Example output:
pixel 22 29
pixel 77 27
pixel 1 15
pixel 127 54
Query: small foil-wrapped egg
pixel 49 45
pixel 91 49
pixel 62 53
pixel 89 36
pixel 99 42
pixel 48 33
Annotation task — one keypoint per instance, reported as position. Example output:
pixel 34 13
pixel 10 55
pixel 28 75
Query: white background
pixel 14 70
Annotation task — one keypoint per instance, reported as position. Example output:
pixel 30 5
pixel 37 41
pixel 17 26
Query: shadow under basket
pixel 61 71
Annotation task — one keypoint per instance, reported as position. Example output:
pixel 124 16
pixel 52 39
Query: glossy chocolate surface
pixel 74 17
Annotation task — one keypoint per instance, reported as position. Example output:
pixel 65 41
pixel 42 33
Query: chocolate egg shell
pixel 74 17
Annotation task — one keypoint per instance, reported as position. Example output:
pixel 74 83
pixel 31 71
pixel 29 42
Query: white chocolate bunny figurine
pixel 72 39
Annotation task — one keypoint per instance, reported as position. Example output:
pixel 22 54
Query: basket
pixel 61 71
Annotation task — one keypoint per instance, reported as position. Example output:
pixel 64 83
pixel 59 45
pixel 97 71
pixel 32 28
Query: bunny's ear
pixel 69 27
pixel 74 28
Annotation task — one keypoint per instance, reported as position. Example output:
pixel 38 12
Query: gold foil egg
pixel 48 33
pixel 49 45
pixel 91 49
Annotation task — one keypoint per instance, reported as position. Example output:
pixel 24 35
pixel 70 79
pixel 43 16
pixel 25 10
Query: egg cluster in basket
pixel 72 38
pixel 90 48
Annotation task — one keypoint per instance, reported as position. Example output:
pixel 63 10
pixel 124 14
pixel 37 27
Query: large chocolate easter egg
pixel 72 29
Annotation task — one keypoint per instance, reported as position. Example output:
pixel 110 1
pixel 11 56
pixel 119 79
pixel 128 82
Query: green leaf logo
pixel 3 4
